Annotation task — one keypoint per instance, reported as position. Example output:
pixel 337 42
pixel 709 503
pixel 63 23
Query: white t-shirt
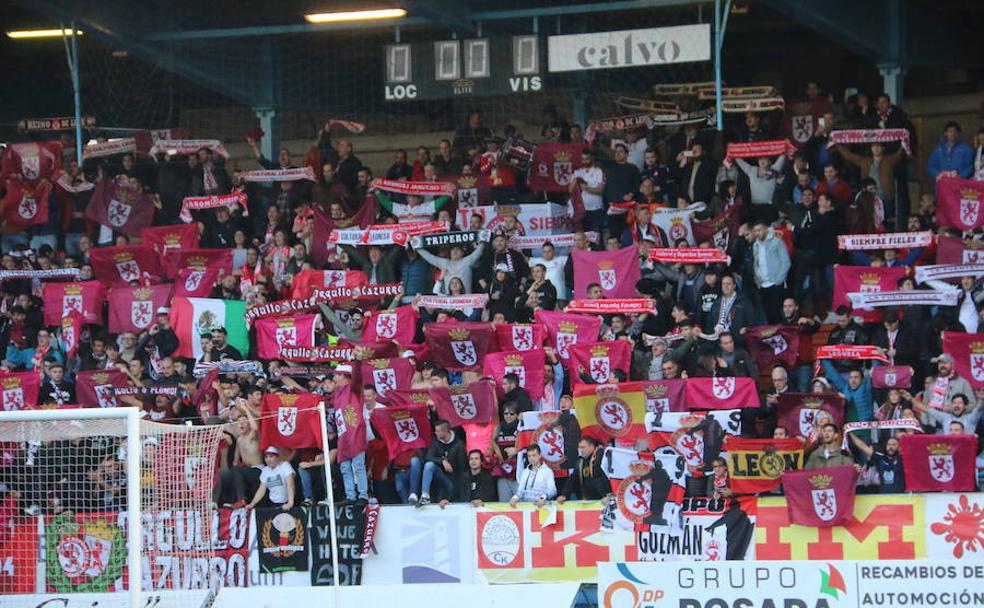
pixel 593 177
pixel 555 273
pixel 276 480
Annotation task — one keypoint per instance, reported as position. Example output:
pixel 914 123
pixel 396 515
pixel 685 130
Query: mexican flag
pixel 191 317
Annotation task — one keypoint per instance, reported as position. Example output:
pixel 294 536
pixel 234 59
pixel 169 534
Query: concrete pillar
pixel 271 131
pixel 893 76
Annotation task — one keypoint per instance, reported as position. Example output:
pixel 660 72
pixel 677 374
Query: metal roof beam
pixel 470 18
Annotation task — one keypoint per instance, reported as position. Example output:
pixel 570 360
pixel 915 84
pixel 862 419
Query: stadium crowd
pixel 789 210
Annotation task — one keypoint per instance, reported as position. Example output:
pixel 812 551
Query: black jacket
pixel 589 481
pixel 907 344
pixel 519 398
pixel 453 452
pixel 743 364
pixel 468 487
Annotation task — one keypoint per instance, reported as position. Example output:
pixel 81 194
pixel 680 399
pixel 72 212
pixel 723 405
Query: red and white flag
pixel 892 376
pixel 519 336
pixel 959 203
pixel 617 272
pixel 85 298
pixel 71 331
pixel 860 352
pixel 801 413
pixel 641 481
pixel 96 388
pixel 459 347
pixel 19 390
pixel 123 265
pixel 954 250
pixel 33 160
pixel 665 395
pixel 566 329
pixel 199 260
pixel 388 374
pixel 820 498
pixel 399 324
pixel 864 279
pixel 472 404
pixel 773 345
pixel 721 393
pixel 403 428
pixel 350 422
pixel 527 365
pixel 121 205
pixel 967 351
pixel 720 230
pixel 939 463
pixel 274 334
pixel 593 362
pixel 24 204
pixel 191 283
pixel 134 309
pixel 167 239
pixel 290 420
pixel 553 166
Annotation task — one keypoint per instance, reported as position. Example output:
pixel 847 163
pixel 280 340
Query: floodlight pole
pixel 720 25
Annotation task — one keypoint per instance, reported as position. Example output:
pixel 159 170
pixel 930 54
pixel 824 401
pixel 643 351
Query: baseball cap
pixel 344 368
pixel 408 354
pixel 501 267
pixel 271 450
pixel 163 310
pixel 945 358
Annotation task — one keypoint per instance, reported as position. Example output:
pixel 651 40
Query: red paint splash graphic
pixel 963 526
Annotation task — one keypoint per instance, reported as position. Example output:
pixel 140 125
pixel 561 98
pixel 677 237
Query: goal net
pixel 71 483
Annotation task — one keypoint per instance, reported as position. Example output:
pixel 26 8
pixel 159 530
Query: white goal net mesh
pixel 64 512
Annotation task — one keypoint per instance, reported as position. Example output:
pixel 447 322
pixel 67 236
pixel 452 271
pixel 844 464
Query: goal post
pixel 100 485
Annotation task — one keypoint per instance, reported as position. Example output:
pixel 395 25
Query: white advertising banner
pixel 630 48
pixel 824 584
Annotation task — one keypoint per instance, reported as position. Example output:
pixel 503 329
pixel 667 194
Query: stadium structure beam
pixel 525 13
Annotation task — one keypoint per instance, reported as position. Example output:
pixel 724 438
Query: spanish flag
pixel 757 465
pixel 611 411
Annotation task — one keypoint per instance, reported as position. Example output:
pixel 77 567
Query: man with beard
pixel 888 463
pixel 589 481
pixel 222 349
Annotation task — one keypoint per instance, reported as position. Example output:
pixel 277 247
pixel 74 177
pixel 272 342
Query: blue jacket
pixel 862 397
pixel 959 158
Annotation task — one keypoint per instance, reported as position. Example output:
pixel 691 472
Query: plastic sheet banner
pixel 884 526
pixel 828 584
pixel 559 543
